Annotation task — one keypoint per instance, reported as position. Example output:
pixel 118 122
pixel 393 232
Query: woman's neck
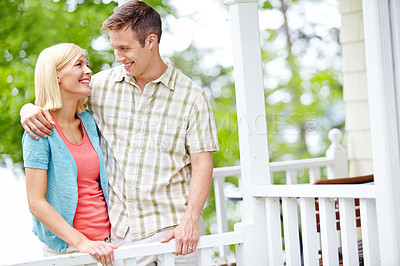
pixel 65 115
pixel 69 124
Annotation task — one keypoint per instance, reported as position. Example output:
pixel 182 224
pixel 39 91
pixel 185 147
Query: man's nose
pixel 118 56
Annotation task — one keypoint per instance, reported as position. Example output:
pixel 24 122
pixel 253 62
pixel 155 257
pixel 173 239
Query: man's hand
pixel 36 119
pixel 103 252
pixel 186 236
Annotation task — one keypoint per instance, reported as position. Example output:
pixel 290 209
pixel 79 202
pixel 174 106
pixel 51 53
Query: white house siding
pixel 355 92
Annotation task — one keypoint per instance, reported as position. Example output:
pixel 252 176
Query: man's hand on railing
pixel 36 119
pixel 186 236
pixel 103 252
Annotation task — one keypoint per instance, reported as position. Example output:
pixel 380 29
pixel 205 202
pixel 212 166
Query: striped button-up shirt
pixel 147 138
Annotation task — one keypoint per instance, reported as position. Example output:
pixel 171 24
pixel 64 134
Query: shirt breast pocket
pixel 168 134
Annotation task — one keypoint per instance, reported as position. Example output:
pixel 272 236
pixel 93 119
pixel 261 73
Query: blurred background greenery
pixel 301 63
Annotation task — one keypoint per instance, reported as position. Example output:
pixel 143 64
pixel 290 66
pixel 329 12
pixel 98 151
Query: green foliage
pixel 29 26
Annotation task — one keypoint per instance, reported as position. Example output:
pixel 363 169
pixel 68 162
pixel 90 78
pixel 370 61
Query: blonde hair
pixel 51 60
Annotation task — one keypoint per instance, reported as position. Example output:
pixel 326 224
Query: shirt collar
pixel 167 78
pixel 120 74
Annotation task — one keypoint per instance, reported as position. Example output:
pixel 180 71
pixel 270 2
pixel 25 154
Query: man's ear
pixel 151 40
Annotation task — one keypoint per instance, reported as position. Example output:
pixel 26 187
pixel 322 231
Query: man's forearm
pixel 36 119
pixel 200 183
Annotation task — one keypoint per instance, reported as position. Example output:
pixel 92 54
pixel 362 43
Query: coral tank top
pixel 91 216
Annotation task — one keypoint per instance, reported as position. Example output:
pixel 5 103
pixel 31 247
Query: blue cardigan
pixel 52 154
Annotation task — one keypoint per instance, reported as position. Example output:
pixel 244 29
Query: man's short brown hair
pixel 141 17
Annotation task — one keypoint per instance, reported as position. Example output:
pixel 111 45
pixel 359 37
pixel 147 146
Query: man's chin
pixel 129 73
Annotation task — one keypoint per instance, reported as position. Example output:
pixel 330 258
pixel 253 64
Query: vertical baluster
pixel 129 262
pixel 246 230
pixel 309 231
pixel 205 257
pixel 291 177
pixel 273 213
pixel 348 230
pixel 291 231
pixel 220 209
pixel 315 174
pixel 369 230
pixel 167 259
pixel 327 218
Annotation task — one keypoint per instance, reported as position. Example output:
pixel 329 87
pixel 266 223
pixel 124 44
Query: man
pixel 158 134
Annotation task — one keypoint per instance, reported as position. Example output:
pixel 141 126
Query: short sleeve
pixel 202 133
pixel 36 153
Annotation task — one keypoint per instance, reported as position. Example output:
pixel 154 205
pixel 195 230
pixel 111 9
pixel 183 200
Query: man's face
pixel 128 51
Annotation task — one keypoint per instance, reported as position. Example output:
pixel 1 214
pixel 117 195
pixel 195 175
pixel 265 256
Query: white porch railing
pixel 129 254
pixel 335 163
pixel 285 199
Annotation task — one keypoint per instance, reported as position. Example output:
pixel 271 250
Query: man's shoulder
pixel 184 82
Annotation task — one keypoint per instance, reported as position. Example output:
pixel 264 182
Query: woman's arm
pixel 36 186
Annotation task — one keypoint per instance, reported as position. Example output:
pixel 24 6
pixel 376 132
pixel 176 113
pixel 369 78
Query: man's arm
pixel 36 119
pixel 186 233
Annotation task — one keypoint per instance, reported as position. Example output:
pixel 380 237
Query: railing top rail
pixel 315 191
pixel 221 172
pixel 136 251
pixel 300 164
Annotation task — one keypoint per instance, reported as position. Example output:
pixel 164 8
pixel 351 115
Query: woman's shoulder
pixel 28 140
pixel 36 153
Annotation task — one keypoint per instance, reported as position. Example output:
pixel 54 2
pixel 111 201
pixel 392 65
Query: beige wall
pixel 355 88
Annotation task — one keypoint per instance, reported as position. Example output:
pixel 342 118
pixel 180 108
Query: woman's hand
pixel 102 251
pixel 36 187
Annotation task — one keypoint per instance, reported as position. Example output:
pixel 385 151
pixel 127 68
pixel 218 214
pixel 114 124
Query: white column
pixel 384 111
pixel 252 123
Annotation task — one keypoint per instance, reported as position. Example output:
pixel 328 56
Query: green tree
pixel 29 26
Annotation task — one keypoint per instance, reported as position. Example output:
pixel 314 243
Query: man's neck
pixel 155 71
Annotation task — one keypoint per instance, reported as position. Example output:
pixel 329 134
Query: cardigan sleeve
pixel 36 153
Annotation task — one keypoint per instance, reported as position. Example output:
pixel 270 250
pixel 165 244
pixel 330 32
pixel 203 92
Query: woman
pixel 66 179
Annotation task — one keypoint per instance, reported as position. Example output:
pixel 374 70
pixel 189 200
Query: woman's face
pixel 74 78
